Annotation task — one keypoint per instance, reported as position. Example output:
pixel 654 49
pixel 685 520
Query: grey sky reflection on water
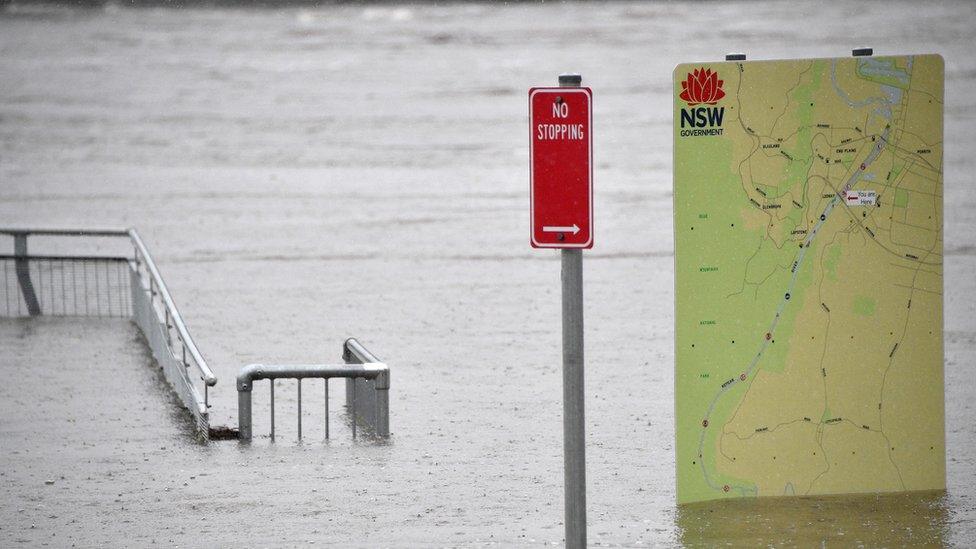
pixel 906 519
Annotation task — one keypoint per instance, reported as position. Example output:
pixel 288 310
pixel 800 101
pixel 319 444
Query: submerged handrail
pixel 367 377
pixel 156 319
pixel 361 367
pixel 174 313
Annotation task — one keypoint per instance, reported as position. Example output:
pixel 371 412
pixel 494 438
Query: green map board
pixel 808 277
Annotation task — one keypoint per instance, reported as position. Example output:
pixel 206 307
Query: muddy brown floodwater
pixel 306 175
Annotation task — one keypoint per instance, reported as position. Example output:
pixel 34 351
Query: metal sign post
pixel 574 441
pixel 562 217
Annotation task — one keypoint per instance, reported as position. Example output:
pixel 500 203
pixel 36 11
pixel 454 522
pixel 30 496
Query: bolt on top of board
pixel 570 79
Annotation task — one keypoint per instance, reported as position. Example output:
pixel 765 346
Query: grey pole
pixel 381 386
pixel 22 268
pixel 574 441
pixel 244 411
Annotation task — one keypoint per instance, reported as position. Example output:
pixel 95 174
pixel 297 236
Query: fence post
pixel 381 386
pixel 244 410
pixel 22 267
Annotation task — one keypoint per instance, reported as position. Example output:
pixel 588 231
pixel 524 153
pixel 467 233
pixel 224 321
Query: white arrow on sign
pixel 574 229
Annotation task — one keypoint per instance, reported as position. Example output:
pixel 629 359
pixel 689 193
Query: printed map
pixel 808 260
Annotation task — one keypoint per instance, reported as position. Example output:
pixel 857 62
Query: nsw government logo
pixel 702 87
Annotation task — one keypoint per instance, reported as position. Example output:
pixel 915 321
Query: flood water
pixel 307 175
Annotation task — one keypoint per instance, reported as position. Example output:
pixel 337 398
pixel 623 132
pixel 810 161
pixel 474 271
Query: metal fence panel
pixel 102 285
pixel 367 390
pixel 174 369
pixel 64 286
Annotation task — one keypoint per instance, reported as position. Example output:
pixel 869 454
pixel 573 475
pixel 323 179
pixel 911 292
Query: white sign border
pixel 589 138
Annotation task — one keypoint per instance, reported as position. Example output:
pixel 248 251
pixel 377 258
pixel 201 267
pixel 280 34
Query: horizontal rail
pixel 63 232
pixel 253 372
pixel 208 376
pixel 67 257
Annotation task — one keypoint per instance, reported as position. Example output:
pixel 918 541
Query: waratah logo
pixel 702 86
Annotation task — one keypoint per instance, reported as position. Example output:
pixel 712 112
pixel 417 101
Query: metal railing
pixel 100 283
pixel 367 382
pixel 97 284
pixel 61 284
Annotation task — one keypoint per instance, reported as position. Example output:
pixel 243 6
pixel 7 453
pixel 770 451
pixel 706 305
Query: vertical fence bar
pixel 121 293
pixel 74 288
pixel 6 293
pixel 50 279
pixel 12 292
pixel 272 409
pixel 84 270
pixel 36 265
pixel 98 291
pixel 299 408
pixel 113 285
pixel 64 291
pixel 127 280
pixel 128 292
pixel 123 308
pixel 108 290
pixel 326 408
pixel 106 282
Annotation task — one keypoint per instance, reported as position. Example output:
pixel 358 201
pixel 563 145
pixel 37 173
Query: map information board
pixel 808 277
